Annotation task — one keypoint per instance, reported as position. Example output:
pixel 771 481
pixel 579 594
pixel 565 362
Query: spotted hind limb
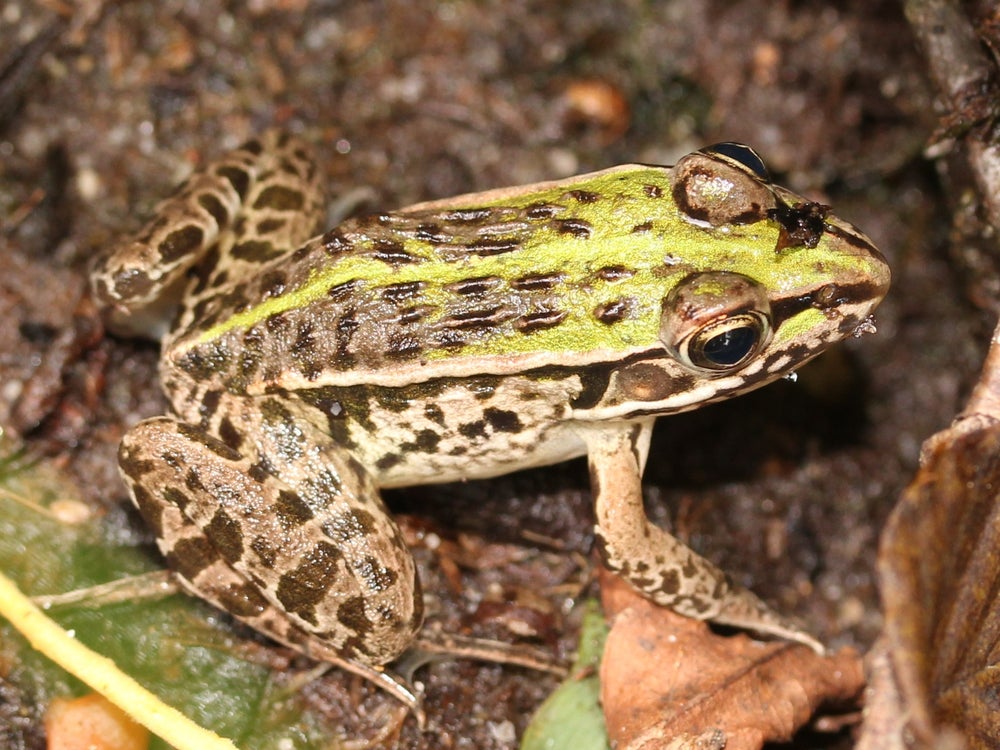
pixel 316 563
pixel 657 565
pixel 142 278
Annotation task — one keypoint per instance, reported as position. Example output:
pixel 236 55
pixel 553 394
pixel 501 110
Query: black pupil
pixel 731 346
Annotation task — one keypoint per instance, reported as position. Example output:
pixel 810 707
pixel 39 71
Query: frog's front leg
pixel 291 539
pixel 655 563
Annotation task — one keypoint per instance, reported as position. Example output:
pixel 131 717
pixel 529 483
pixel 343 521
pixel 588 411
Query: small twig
pixel 154 585
pixel 967 79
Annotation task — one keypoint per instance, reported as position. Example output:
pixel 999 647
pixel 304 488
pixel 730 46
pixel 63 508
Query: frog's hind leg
pixel 311 559
pixel 247 207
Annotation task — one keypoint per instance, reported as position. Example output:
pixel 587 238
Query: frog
pixel 452 340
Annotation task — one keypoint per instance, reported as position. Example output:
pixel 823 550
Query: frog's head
pixel 769 280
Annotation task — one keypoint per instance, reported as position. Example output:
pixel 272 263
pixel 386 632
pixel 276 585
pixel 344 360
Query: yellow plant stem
pixel 100 673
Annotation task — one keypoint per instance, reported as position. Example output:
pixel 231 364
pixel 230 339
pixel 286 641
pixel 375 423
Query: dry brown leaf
pixel 670 682
pixel 939 568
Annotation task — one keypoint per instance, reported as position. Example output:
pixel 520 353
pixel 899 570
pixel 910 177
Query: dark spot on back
pixel 584 196
pixel 335 243
pixel 403 346
pixel 253 146
pixel 466 215
pixel 431 232
pixel 192 480
pixel 305 341
pixel 340 292
pixel 392 253
pixel 273 283
pixel 209 404
pixel 448 339
pixel 343 333
pixel 402 291
pixel 542 210
pixel 413 314
pixel 492 246
pixel 577 228
pixel 259 471
pixel 351 614
pixel 476 286
pixel 536 282
pixel 615 273
pixel 539 320
pixel 613 311
pixel 480 319
pixel 207 441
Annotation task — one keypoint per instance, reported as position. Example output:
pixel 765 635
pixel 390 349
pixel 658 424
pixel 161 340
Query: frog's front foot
pixel 657 565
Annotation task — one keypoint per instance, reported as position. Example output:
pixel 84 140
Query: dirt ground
pixel 104 106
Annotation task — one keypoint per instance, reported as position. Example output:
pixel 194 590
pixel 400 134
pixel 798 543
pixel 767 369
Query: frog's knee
pixel 380 635
pixel 170 441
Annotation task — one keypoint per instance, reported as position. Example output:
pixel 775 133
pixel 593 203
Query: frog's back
pixel 443 292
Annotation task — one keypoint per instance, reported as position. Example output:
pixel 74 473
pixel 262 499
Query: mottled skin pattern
pixel 453 340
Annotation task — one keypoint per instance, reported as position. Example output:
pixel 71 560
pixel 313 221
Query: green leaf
pixel 170 645
pixel 571 717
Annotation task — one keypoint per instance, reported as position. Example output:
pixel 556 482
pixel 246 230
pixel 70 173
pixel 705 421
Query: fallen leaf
pixel 670 682
pixel 939 571
pixel 571 716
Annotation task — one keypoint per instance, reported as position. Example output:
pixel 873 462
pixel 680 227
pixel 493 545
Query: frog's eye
pixel 716 322
pixel 741 154
pixel 726 344
pixel 718 190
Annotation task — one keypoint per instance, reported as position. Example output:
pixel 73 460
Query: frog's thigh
pixel 655 563
pixel 312 558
